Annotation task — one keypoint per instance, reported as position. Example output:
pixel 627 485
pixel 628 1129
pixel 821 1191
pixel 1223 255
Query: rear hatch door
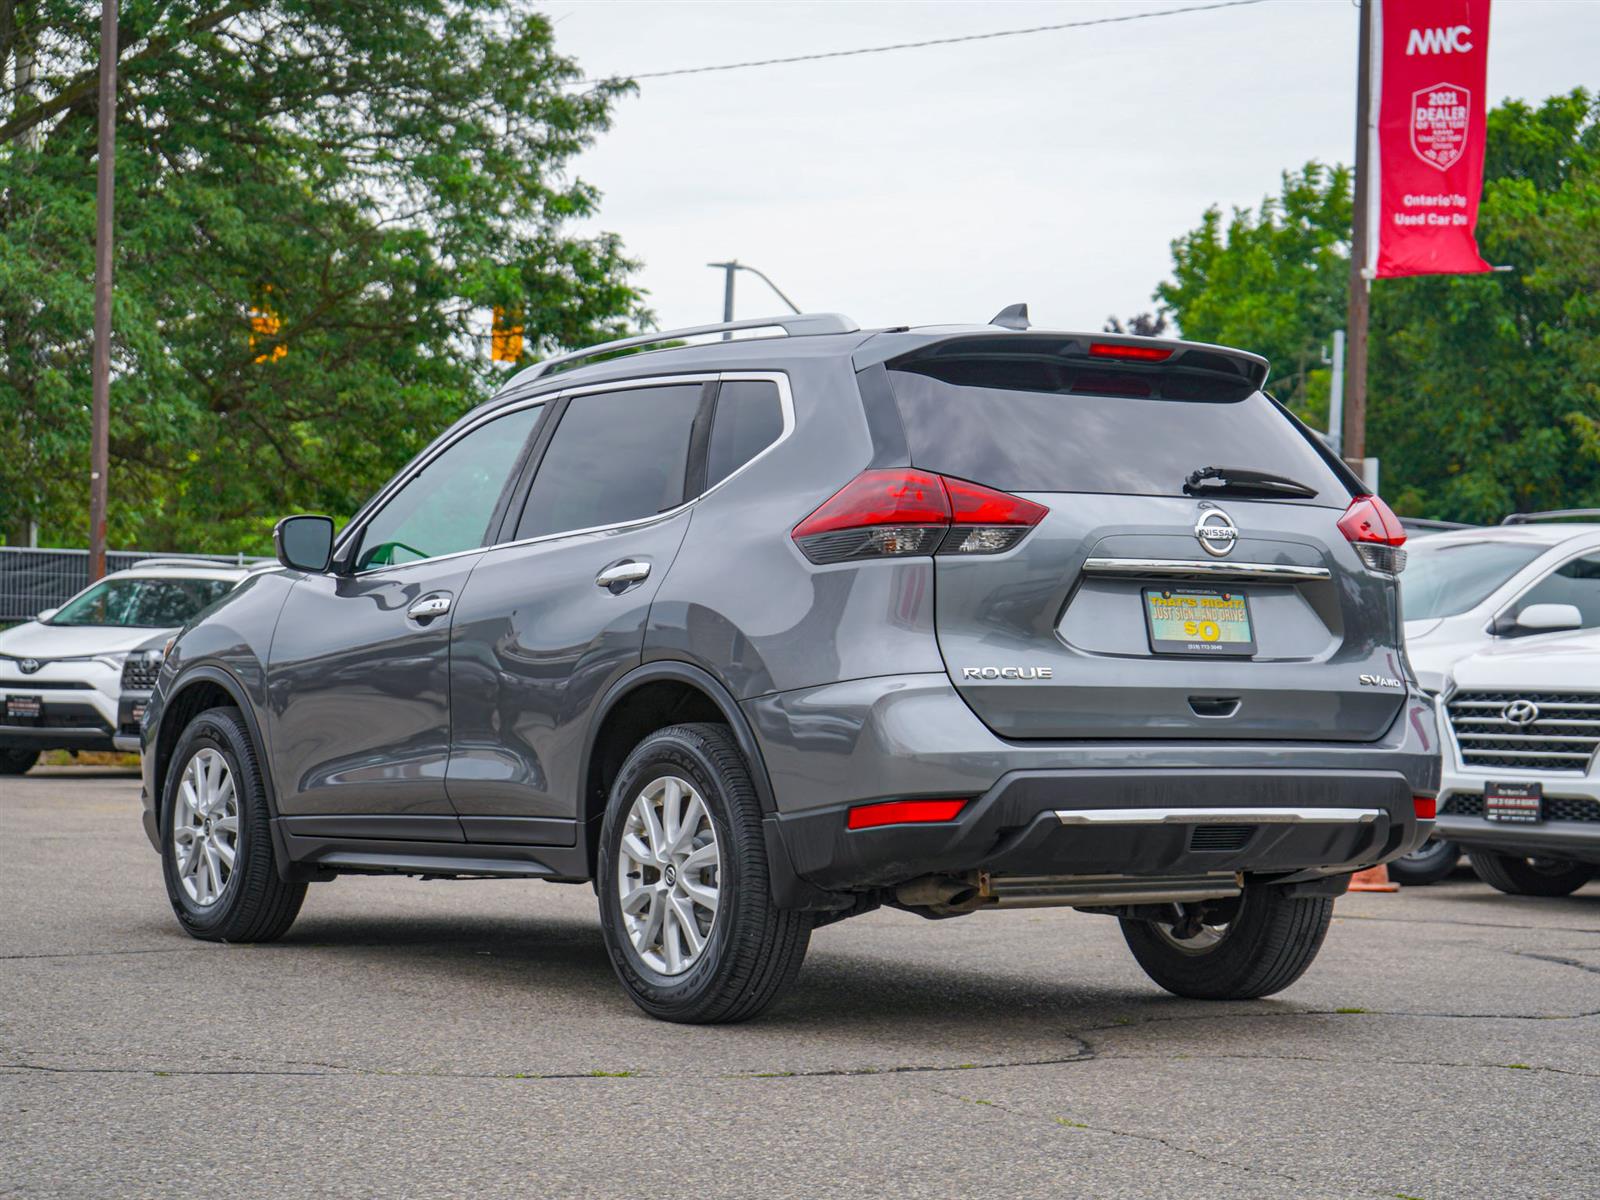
pixel 1139 607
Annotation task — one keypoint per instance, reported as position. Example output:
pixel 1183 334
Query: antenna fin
pixel 1013 316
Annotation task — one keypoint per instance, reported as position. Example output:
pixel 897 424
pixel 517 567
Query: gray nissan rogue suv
pixel 763 633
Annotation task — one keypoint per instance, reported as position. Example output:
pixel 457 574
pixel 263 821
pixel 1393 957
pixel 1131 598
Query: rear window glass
pixel 1096 429
pixel 749 419
pixel 616 457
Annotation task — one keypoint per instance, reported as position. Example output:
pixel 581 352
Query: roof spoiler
pixel 1043 346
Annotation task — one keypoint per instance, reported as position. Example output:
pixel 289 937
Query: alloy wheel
pixel 205 827
pixel 670 878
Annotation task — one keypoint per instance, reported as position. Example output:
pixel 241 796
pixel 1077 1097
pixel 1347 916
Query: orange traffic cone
pixel 1373 879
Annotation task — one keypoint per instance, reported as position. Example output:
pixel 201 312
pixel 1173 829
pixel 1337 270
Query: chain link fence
pixel 32 580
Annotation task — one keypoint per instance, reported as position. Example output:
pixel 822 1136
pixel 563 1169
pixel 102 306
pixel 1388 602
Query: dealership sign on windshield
pixel 1427 136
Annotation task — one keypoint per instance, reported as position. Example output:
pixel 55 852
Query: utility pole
pixel 1354 446
pixel 1336 394
pixel 100 419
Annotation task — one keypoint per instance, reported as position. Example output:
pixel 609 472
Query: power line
pixel 948 41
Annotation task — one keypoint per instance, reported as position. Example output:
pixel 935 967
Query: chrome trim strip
pixel 1198 816
pixel 1187 566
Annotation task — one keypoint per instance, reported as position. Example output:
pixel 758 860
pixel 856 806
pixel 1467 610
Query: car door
pixel 359 668
pixel 550 618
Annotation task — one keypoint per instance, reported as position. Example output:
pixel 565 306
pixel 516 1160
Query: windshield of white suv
pixel 142 602
pixel 1444 579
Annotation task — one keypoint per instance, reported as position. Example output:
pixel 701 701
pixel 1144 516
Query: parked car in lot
pixel 1465 590
pixel 763 633
pixel 1521 787
pixel 63 675
pixel 1468 588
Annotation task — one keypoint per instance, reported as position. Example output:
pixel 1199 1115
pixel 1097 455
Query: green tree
pixel 1271 280
pixel 1482 390
pixel 366 179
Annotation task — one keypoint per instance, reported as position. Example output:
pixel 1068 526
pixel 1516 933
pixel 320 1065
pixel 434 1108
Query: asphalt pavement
pixel 414 1039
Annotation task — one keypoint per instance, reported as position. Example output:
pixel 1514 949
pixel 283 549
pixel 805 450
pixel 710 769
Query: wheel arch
pixel 200 688
pixel 650 697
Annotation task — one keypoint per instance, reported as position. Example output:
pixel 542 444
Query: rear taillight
pixel 1376 533
pixel 900 511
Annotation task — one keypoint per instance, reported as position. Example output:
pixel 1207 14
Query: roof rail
pixel 797 325
pixel 1554 514
pixel 194 560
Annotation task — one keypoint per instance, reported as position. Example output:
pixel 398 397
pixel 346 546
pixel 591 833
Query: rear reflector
pixel 903 812
pixel 1129 353
pixel 1376 533
pixel 901 511
pixel 1427 807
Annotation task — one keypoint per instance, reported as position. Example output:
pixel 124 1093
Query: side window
pixel 749 419
pixel 446 508
pixel 1576 583
pixel 615 457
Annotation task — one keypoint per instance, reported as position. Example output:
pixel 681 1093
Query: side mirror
pixel 1541 618
pixel 47 614
pixel 304 543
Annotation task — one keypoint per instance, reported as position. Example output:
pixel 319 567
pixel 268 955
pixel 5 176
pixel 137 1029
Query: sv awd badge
pixel 1379 681
pixel 1006 673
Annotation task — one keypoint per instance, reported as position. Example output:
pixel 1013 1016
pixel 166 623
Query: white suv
pixel 1521 787
pixel 62 675
pixel 1470 589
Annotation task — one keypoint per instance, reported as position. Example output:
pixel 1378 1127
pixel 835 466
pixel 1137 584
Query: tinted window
pixel 1102 431
pixel 447 507
pixel 147 603
pixel 749 419
pixel 615 457
pixel 1444 579
pixel 1577 583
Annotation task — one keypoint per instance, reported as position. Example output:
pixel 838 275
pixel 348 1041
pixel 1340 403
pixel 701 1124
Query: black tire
pixel 255 904
pixel 1268 944
pixel 1428 863
pixel 1518 876
pixel 753 949
pixel 17 762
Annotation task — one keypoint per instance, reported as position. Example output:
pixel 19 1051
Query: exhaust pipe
pixel 946 895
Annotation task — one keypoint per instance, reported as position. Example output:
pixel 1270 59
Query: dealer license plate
pixel 1198 622
pixel 1514 803
pixel 24 708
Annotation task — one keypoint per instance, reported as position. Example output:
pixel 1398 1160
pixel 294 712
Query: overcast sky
pixel 941 184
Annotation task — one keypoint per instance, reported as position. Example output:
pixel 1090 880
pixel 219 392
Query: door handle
pixel 618 575
pixel 429 607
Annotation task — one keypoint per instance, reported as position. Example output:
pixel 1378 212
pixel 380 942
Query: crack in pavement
pixel 102 953
pixel 1468 924
pixel 1157 1139
pixel 1554 958
pixel 335 1071
pixel 1363 1063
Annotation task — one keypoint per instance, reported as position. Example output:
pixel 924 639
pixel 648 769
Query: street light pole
pixel 100 418
pixel 729 267
pixel 1354 445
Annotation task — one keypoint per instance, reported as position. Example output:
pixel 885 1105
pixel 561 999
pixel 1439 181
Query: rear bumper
pixel 829 748
pixel 1135 821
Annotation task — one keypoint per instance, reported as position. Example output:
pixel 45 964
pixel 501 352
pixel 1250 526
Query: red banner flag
pixel 1427 136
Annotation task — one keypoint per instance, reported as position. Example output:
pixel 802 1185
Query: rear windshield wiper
pixel 1240 481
